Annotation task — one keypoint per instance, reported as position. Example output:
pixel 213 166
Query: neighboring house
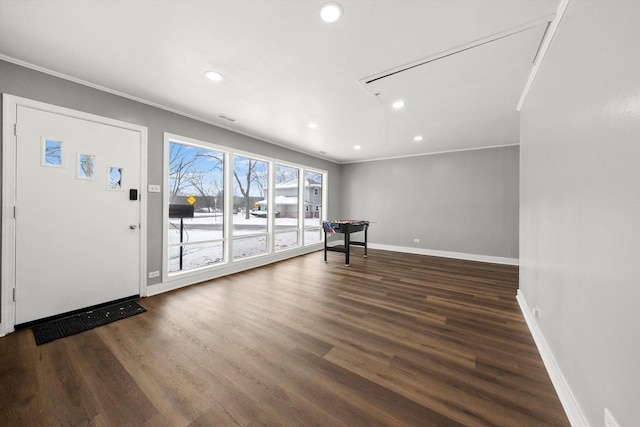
pixel 286 198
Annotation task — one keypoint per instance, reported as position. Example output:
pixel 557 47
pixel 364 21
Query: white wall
pixel 580 206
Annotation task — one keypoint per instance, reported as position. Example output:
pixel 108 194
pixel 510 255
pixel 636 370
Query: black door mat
pixel 80 322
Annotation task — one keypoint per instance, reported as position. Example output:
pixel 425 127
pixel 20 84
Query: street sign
pixel 191 200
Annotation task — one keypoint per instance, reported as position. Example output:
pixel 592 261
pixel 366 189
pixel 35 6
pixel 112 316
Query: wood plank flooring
pixel 393 340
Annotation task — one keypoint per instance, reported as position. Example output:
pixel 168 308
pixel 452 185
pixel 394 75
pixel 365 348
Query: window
pixel 313 207
pixel 250 177
pixel 196 220
pixel 224 206
pixel 286 206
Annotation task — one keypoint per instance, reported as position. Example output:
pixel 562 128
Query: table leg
pixel 347 242
pixel 366 228
pixel 325 245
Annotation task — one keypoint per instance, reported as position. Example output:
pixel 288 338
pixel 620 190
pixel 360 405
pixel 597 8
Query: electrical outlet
pixel 416 240
pixel 153 274
pixel 536 312
pixel 609 419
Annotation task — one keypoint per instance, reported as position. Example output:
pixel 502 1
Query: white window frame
pixel 322 216
pixel 165 238
pixel 299 227
pixel 178 279
pixel 270 215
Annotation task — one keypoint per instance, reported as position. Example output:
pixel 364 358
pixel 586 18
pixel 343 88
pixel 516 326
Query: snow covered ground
pixel 204 233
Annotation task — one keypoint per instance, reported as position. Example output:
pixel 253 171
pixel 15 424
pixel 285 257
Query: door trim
pixel 10 104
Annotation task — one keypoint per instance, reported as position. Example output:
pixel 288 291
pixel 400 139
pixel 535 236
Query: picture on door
pixel 114 181
pixel 52 153
pixel 86 166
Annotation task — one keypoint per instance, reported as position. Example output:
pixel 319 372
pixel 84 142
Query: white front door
pixel 77 233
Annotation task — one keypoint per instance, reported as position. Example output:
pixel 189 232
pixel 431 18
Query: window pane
pixel 287 239
pixel 196 194
pixel 196 174
pixel 249 246
pixel 195 256
pixel 313 199
pixel 250 177
pixel 286 198
pixel 312 235
pixel 203 226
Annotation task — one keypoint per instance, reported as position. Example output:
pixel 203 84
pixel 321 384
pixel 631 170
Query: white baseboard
pixel 569 402
pixel 446 254
pixel 178 281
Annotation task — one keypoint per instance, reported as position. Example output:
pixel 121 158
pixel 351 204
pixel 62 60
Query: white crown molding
pixel 515 144
pixel 153 104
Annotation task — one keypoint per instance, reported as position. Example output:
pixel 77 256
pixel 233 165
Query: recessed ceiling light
pixel 213 75
pixel 330 12
pixel 418 138
pixel 356 147
pixel 313 125
pixel 397 105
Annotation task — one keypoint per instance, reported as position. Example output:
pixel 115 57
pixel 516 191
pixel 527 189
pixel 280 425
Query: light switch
pixel 154 188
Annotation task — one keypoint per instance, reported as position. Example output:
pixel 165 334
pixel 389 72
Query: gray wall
pixel 464 202
pixel 27 83
pixel 580 205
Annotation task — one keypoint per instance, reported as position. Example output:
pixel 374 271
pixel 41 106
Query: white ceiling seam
pixel 544 46
pixel 473 44
pixel 477 63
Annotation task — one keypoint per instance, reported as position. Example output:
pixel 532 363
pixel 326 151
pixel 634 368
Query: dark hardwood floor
pixel 395 339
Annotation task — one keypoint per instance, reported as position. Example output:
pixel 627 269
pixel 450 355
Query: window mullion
pixel 271 209
pixel 228 206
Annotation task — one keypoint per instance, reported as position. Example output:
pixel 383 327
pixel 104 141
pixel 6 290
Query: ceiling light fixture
pixel 313 126
pixel 330 12
pixel 356 147
pixel 397 105
pixel 418 138
pixel 213 76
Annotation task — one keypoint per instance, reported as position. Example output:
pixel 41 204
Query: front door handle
pixel 133 226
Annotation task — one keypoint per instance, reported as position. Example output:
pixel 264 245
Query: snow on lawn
pixel 209 226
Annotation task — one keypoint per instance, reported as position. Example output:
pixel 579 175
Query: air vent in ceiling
pixel 227 118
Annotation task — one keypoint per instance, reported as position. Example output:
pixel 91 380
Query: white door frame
pixel 10 106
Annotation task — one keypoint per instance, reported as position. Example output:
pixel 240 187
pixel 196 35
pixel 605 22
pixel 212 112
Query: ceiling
pixel 460 66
